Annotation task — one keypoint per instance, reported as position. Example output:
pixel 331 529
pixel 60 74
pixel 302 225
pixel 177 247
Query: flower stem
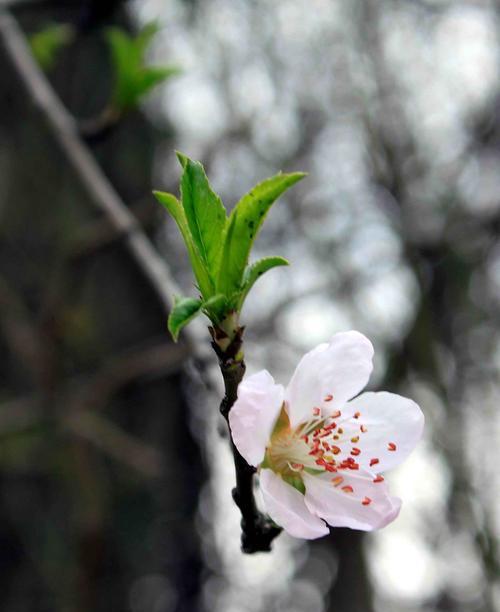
pixel 257 529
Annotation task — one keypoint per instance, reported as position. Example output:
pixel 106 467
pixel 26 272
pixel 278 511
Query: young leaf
pixel 46 44
pixel 133 79
pixel 243 226
pixel 184 311
pixel 255 271
pixel 172 204
pixel 216 307
pixel 205 214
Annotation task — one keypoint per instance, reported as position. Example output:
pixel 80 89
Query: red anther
pixel 355 440
pixel 328 398
pixel 331 426
pixel 335 450
pixel 297 466
pixel 354 466
pixel 391 446
pixel 336 437
pixel 367 501
pixel 329 467
pixel 316 411
pixel 355 452
pixel 374 461
pixel 357 415
pixel 325 434
pixel 306 439
pixel 348 489
pixel 320 461
pixel 363 428
pixel 379 478
pixel 325 445
pixel 336 414
pixel 338 480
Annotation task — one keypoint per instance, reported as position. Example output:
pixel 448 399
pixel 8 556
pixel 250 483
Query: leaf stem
pixel 257 530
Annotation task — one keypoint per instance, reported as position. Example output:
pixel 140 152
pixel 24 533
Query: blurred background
pixel 115 473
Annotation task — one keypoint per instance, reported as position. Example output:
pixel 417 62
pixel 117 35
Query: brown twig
pixel 257 530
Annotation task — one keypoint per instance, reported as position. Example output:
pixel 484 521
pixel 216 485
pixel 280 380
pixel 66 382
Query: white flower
pixel 319 452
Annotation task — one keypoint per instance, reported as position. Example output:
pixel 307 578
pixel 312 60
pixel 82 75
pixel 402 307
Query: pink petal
pixel 329 375
pixel 285 505
pixel 343 508
pixel 391 422
pixel 254 414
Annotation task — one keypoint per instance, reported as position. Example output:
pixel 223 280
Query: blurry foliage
pixel 47 43
pixel 133 78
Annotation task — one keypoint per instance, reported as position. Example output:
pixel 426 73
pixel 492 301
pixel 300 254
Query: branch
pixel 257 530
pixel 99 188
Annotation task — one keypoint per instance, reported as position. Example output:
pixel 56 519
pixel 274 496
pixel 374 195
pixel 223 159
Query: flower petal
pixel 393 424
pixel 285 505
pixel 356 502
pixel 254 414
pixel 334 372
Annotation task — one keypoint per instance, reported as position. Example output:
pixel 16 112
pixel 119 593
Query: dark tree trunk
pixel 81 531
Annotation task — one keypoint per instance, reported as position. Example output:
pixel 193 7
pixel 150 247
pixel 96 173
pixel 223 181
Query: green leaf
pixel 150 77
pixel 243 226
pixel 133 79
pixel 174 207
pixel 184 311
pixel 46 44
pixel 205 214
pixel 255 271
pixel 216 308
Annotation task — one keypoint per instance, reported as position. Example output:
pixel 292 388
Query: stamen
pixel 357 415
pixel 379 478
pixel 335 450
pixel 374 461
pixel 391 446
pixel 340 430
pixel 367 501
pixel 348 489
pixel 336 414
pixel 296 467
pixel 355 440
pixel 363 428
pixel 316 411
pixel 328 398
pixel 355 451
pixel 338 480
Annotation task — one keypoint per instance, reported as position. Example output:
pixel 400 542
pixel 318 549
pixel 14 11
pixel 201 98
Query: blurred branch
pixel 22 336
pixel 112 440
pixel 82 420
pixel 100 190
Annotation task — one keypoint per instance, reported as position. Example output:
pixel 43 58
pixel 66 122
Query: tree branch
pixel 257 530
pixel 99 188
